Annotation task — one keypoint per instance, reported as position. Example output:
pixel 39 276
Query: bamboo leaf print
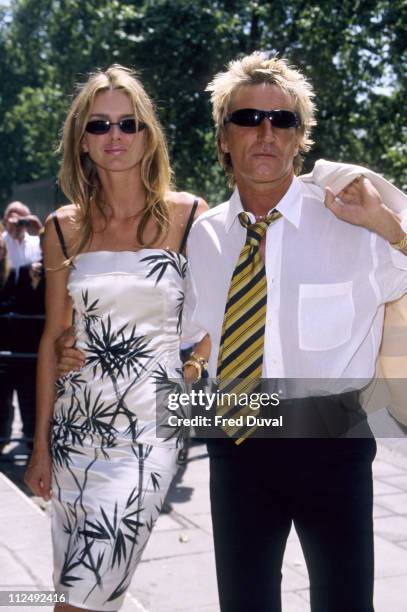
pixel 107 506
pixel 160 262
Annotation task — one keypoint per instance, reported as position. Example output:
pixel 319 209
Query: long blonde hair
pixel 254 69
pixel 4 261
pixel 78 176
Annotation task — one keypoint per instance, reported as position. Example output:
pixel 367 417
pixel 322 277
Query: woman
pixel 7 278
pixel 7 299
pixel 114 256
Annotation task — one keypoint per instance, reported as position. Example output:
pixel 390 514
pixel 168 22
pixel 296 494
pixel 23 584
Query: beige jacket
pixel 388 388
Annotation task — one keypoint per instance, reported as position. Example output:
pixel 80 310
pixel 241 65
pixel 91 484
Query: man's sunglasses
pixel 252 117
pixel 102 126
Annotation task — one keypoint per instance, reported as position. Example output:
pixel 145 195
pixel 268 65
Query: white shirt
pixel 22 253
pixel 327 283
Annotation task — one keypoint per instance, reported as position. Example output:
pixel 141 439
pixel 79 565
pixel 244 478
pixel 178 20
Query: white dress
pixel 110 471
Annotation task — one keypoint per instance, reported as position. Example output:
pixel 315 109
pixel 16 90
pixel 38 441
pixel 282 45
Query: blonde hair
pixel 78 176
pixel 4 261
pixel 255 69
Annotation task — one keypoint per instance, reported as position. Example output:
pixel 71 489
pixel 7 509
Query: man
pixel 24 251
pixel 329 270
pixel 23 248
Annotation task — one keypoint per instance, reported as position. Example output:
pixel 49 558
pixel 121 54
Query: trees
pixel 354 53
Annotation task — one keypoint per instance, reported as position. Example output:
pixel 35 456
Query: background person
pixel 21 235
pixel 19 295
pixel 7 297
pixel 7 278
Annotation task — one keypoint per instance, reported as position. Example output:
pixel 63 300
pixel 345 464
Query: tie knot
pixel 256 231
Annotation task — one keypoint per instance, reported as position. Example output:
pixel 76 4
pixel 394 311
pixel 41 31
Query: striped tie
pixel 240 358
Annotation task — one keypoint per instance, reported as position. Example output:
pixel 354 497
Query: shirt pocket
pixel 325 315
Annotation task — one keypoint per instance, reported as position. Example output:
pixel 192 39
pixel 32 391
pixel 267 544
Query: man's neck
pixel 19 238
pixel 260 198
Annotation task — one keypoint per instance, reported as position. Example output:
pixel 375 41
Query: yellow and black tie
pixel 241 349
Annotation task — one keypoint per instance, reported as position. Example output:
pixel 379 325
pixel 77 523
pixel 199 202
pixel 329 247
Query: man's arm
pixel 360 204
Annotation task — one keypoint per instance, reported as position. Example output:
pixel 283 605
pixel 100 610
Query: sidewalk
pixel 177 572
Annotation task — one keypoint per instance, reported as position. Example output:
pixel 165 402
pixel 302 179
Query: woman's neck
pixel 123 194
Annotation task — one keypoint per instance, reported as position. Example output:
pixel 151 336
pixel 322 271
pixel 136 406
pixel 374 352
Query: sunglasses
pixel 102 126
pixel 252 117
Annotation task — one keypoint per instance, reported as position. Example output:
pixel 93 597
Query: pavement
pixel 177 573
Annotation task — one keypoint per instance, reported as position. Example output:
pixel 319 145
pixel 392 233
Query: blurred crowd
pixel 22 292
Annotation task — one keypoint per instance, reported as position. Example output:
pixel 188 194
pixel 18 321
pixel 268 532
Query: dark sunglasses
pixel 102 126
pixel 252 117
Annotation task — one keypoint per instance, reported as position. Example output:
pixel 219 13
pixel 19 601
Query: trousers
pixel 263 487
pixel 22 378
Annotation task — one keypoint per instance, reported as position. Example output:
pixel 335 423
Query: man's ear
pixel 297 146
pixel 223 142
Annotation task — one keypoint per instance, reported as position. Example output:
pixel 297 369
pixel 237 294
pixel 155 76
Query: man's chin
pixel 269 177
pixel 15 235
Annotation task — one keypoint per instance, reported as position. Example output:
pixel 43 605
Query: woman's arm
pixel 203 350
pixel 58 310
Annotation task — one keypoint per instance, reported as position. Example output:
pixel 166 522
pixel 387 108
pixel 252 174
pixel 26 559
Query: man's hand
pixel 360 204
pixel 35 224
pixel 13 228
pixel 36 272
pixel 68 357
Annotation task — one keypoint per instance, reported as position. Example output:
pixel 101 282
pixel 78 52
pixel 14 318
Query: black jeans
pixel 323 487
pixel 19 377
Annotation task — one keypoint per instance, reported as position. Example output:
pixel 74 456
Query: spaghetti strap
pixel 60 234
pixel 189 225
pixel 64 251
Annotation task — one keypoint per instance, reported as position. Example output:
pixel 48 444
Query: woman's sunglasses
pixel 102 126
pixel 252 117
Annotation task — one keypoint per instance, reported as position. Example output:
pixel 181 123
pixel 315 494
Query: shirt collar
pixel 18 242
pixel 290 205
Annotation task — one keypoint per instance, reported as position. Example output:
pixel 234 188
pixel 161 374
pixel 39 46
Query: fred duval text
pixel 248 420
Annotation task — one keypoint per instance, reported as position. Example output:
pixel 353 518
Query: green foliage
pixel 34 124
pixel 354 52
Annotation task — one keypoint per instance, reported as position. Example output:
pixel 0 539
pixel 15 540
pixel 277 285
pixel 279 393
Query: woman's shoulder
pixel 64 216
pixel 60 229
pixel 183 202
pixel 66 213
